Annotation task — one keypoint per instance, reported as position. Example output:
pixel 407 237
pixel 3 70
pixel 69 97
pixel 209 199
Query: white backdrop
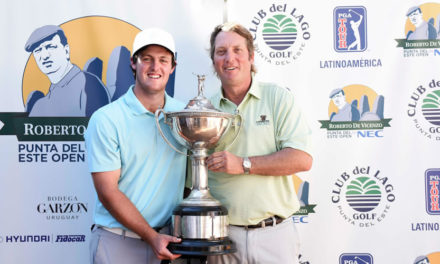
pixel 41 201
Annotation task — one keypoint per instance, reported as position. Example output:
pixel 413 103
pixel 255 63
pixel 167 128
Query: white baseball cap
pixel 154 36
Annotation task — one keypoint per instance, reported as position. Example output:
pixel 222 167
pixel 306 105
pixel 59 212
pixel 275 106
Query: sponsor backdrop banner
pixel 366 75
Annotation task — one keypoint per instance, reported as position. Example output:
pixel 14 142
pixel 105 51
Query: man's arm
pixel 284 162
pixel 124 211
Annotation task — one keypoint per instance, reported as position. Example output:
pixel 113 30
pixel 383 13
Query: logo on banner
pixel 62 208
pixel 350 28
pixel 72 70
pixel 350 35
pixel 424 109
pixel 26 239
pixel 355 111
pixel 70 238
pixel 280 34
pixel 65 63
pixel 363 196
pixel 432 186
pixel 51 152
pixel 43 239
pixel 432 258
pixel 302 190
pixel 356 258
pixel 422 29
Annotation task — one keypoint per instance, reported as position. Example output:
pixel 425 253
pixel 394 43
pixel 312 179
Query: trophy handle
pixel 238 120
pixel 157 114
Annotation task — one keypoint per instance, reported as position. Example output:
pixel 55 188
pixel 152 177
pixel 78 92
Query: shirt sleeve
pixel 102 144
pixel 291 128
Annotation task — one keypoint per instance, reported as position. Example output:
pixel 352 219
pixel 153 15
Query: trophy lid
pixel 200 106
pixel 200 102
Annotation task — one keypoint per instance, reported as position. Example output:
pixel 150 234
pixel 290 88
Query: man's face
pixel 51 55
pixel 153 67
pixel 416 18
pixel 339 100
pixel 232 60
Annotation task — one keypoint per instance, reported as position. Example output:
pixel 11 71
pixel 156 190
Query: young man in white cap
pixel 139 179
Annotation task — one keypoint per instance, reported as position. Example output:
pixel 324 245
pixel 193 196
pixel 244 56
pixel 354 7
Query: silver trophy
pixel 200 220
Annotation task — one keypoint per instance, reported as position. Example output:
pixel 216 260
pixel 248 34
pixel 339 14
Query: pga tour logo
pixel 350 28
pixel 356 258
pixel 432 185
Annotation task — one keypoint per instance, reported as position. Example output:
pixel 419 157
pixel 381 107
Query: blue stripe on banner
pixel 363 205
pixel 279 42
pixel 272 38
pixel 363 196
pixel 279 34
pixel 363 200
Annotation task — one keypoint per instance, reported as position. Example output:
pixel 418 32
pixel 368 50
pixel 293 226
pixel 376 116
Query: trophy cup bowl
pixel 200 220
pixel 202 129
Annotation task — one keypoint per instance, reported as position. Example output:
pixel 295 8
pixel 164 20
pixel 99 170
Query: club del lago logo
pixel 424 109
pixel 280 33
pixel 363 196
pixel 355 111
pixel 422 29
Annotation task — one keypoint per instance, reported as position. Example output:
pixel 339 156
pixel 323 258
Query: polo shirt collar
pixel 136 106
pixel 254 90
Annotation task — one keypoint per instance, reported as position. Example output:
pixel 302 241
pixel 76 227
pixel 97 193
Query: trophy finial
pixel 201 86
pixel 200 102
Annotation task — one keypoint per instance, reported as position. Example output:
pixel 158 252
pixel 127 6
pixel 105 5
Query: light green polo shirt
pixel 271 121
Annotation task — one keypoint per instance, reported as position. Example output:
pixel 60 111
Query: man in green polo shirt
pixel 252 178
